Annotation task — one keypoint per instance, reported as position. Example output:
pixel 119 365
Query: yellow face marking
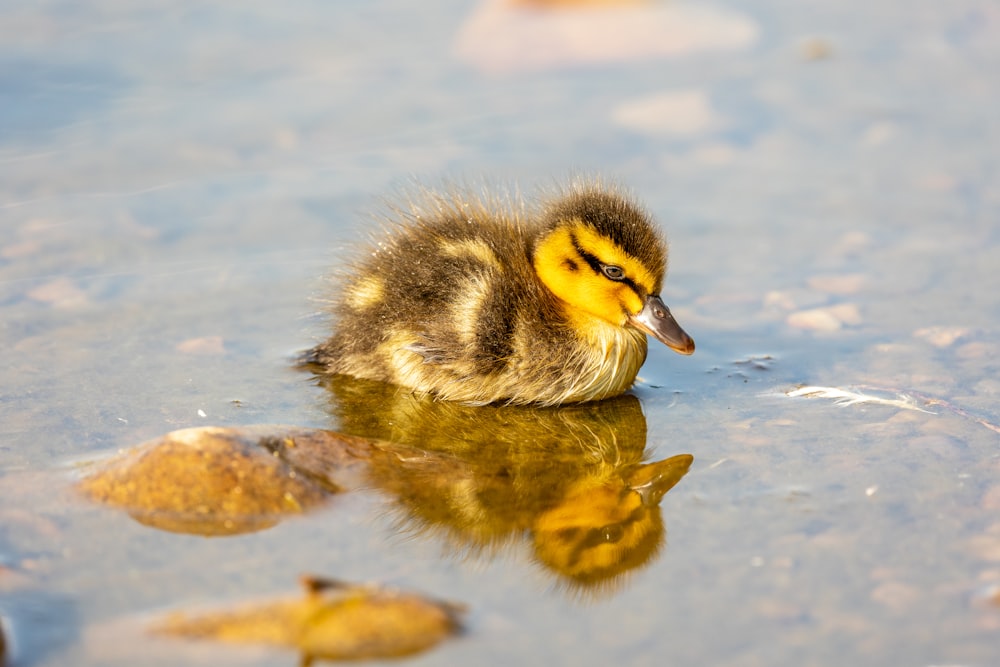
pixel 561 267
pixel 566 537
pixel 475 248
pixel 365 293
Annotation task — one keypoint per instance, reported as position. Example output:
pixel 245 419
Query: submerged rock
pixel 214 480
pixel 333 621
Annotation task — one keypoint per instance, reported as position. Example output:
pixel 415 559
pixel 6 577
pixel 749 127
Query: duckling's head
pixel 602 256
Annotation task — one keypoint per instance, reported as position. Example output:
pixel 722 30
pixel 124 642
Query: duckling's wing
pixel 474 333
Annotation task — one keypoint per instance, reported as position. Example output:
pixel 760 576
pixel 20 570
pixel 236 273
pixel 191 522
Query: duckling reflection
pixel 481 478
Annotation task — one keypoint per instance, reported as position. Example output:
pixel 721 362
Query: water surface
pixel 177 180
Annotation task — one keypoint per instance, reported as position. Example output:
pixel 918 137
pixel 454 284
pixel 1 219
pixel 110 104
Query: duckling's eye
pixel 613 272
pixel 612 534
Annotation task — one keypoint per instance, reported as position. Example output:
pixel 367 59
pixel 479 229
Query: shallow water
pixel 177 179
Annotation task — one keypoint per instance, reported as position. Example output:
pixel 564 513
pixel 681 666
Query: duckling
pixel 476 300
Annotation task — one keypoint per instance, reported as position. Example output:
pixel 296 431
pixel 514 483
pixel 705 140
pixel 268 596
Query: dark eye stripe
pixel 591 260
pixel 597 265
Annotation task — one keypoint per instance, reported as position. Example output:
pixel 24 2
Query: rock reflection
pixel 211 481
pixel 571 478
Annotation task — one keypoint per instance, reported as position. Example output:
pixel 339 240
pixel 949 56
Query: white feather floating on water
pixel 905 401
pixel 845 397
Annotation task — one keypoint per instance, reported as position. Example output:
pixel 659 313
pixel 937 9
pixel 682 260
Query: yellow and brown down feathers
pixel 479 302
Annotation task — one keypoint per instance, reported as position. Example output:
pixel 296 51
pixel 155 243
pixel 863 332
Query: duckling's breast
pixel 604 363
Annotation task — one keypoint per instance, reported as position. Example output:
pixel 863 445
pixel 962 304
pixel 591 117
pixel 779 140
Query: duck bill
pixel 652 480
pixel 655 319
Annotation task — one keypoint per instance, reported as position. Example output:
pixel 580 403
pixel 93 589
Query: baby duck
pixel 479 301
